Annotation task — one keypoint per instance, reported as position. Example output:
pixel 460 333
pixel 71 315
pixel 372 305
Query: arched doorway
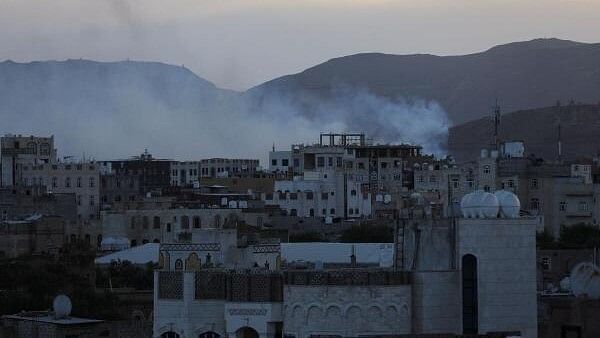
pixel 246 332
pixel 469 295
pixel 209 334
pixel 169 334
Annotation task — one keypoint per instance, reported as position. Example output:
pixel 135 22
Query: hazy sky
pixel 240 43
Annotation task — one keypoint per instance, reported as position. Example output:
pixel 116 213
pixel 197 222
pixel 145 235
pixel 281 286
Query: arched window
pixel 469 294
pixel 179 264
pixel 197 223
pixel 67 182
pixel 193 262
pixel 185 222
pixel 156 222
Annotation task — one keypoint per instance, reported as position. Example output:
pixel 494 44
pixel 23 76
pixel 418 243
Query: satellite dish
pixel 62 306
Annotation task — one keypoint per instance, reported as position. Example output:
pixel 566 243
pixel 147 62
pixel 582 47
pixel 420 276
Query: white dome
pixel 510 206
pixel 62 306
pixel 480 204
pixel 585 280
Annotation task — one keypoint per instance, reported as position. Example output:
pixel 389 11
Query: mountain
pixel 107 108
pixel 521 75
pixel 538 128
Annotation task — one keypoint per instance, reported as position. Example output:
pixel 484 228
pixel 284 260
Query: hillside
pixel 580 128
pixel 522 75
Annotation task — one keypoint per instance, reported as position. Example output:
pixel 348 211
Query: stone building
pixel 78 178
pixel 185 174
pixel 18 150
pixel 451 276
pixel 152 174
pixel 227 167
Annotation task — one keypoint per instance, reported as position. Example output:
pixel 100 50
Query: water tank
pixel 62 306
pixel 585 280
pixel 480 204
pixel 509 204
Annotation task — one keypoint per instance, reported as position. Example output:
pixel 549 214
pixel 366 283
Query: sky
pixel 237 44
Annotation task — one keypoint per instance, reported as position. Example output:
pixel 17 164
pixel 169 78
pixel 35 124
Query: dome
pixel 585 280
pixel 480 204
pixel 62 306
pixel 510 206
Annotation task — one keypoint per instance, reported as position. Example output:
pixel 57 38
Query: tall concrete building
pixel 18 150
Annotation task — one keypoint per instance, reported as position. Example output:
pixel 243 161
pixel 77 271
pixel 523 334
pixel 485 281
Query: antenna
pixel 496 125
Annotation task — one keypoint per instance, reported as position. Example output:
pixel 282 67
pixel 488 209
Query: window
pixel 145 222
pixel 582 206
pixel 293 196
pixel 486 188
pixel 197 223
pixel 562 206
pixel 353 192
pixel 546 263
pixel 324 196
pixel 311 212
pixel 487 169
pixel 54 182
pixel 285 162
pixel 78 199
pixel 455 183
pixel 470 183
pixel 185 222
pixel 432 179
pixel 324 212
pixel 339 162
pixel 330 161
pixel 296 163
pixel 92 200
pixel 132 222
pixel 421 179
pixel 293 212
pixel 78 182
pixel 92 182
pixel 320 161
pixel 332 211
pixel 273 162
pixel 351 211
pixel 269 197
pixel 309 195
pixel 68 182
pixel 534 204
pixel 168 227
pixel 179 264
pixel 534 183
pixel 384 165
pixel 156 222
pixel 356 211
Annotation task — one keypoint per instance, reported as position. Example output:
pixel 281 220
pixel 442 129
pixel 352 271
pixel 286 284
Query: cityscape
pixel 353 169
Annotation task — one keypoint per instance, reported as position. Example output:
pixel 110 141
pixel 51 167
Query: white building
pixel 280 161
pixel 81 179
pixel 185 174
pixel 478 278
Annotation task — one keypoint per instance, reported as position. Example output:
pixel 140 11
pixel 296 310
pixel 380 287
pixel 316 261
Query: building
pixel 36 234
pixel 185 174
pixel 479 278
pixel 228 167
pixel 78 178
pixel 280 161
pixel 152 174
pixel 17 151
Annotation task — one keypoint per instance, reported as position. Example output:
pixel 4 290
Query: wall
pixel 348 311
pixel 506 272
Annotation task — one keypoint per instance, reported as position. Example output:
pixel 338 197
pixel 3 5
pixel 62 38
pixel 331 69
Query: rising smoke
pixel 116 110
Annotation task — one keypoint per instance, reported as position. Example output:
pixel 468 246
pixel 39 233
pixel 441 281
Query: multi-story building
pixel 152 174
pixel 343 176
pixel 185 174
pixel 228 167
pixel 17 151
pixel 478 278
pixel 80 179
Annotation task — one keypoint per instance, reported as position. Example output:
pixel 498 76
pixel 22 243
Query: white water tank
pixel 510 206
pixel 62 306
pixel 480 204
pixel 585 280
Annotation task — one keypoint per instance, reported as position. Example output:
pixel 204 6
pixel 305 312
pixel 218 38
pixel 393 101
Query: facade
pixel 17 151
pixel 478 278
pixel 280 161
pixel 151 174
pixel 80 179
pixel 228 167
pixel 35 235
pixel 185 174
